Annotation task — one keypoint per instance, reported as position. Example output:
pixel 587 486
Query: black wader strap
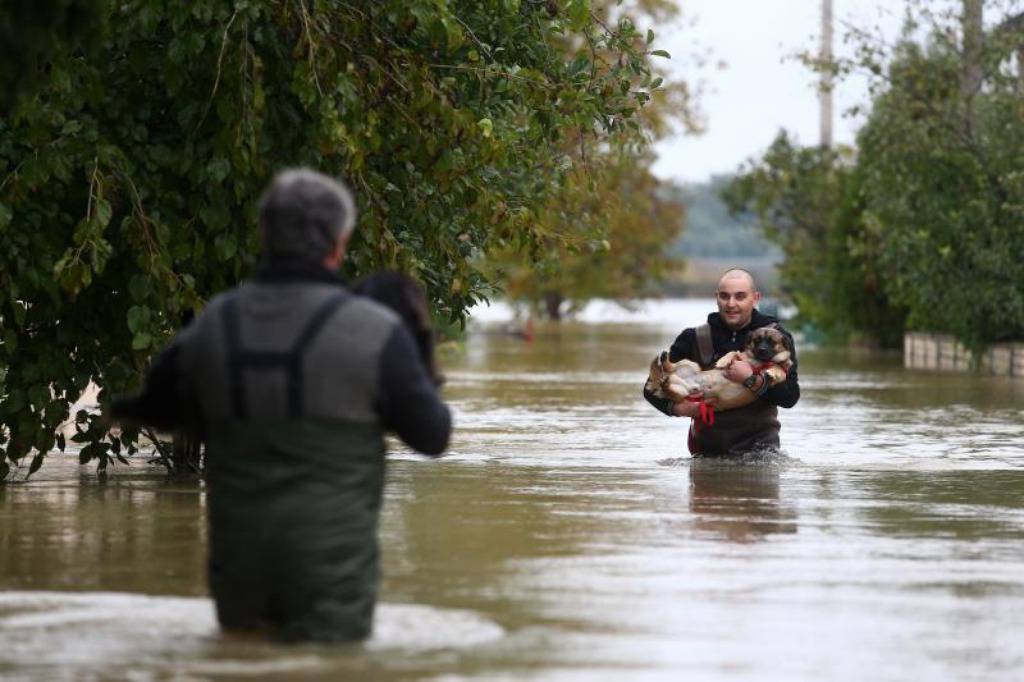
pixel 240 360
pixel 705 348
pixel 296 377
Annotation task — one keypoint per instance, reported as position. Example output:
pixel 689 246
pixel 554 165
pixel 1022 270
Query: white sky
pixel 762 87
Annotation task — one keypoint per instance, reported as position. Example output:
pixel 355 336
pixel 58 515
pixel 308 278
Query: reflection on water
pixel 739 500
pixel 569 536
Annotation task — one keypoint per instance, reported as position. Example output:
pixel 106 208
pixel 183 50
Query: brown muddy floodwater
pixel 569 537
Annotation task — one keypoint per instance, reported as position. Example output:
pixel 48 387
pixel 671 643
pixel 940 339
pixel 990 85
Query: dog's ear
pixel 787 341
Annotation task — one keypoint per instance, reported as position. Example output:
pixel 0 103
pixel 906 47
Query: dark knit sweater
pixel 752 427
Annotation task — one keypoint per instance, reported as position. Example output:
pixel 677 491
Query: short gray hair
pixel 304 213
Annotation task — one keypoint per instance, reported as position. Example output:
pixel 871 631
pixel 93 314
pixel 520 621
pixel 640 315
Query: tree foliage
pixel 607 230
pixel 944 200
pixel 609 243
pixel 32 31
pixel 807 200
pixel 921 225
pixel 128 175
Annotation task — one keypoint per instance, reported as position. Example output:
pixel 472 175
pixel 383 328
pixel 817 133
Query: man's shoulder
pixel 311 295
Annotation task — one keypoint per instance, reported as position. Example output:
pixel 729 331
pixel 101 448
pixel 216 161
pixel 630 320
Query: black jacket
pixel 744 428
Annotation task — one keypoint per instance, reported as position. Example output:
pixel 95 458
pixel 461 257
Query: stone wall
pixel 922 350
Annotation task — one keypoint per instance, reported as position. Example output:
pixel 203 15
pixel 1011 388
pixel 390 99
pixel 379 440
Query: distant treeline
pixel 713 240
pixel 712 231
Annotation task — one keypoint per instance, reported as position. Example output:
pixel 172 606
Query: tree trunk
pixel 553 304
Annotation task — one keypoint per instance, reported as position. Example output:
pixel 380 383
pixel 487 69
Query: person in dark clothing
pixel 754 427
pixel 292 381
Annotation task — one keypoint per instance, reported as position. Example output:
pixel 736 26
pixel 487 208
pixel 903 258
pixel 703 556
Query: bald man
pixel 755 427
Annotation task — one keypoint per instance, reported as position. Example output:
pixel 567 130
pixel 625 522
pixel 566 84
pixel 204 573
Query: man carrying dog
pixel 291 381
pixel 754 427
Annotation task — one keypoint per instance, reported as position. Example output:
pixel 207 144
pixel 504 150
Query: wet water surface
pixel 568 536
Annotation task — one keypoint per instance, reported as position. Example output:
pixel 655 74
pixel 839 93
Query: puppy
pixel 404 295
pixel 766 349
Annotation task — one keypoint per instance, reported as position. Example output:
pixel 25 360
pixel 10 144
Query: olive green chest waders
pixel 286 376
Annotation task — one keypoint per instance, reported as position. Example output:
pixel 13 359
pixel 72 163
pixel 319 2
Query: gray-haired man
pixel 292 381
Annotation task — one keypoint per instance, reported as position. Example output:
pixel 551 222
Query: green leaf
pixel 578 12
pixel 661 53
pixel 215 216
pixel 650 36
pixel 139 288
pixel 141 341
pixel 104 211
pixel 13 403
pixel 226 245
pixel 138 318
pixel 218 169
pixel 37 462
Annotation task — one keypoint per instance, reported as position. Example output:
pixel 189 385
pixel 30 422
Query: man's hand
pixel 685 409
pixel 737 371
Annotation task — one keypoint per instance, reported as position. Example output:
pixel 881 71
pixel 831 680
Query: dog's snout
pixel 764 350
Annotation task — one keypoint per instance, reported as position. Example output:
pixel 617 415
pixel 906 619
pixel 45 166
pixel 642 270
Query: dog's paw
pixel 776 375
pixel 726 359
pixel 666 364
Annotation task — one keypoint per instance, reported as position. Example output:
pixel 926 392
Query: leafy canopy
pixel 128 173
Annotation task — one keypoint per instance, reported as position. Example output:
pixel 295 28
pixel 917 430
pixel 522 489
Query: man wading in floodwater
pixel 754 427
pixel 291 382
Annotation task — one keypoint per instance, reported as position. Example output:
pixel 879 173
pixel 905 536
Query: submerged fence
pixel 922 350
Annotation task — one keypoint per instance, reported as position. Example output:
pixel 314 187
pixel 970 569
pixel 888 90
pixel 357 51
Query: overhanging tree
pixel 607 229
pixel 128 176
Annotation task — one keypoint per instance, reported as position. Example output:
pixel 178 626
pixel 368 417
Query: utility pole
pixel 825 87
pixel 970 83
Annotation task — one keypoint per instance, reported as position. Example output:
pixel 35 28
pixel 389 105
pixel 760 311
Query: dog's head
pixel 656 377
pixel 404 295
pixel 769 344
